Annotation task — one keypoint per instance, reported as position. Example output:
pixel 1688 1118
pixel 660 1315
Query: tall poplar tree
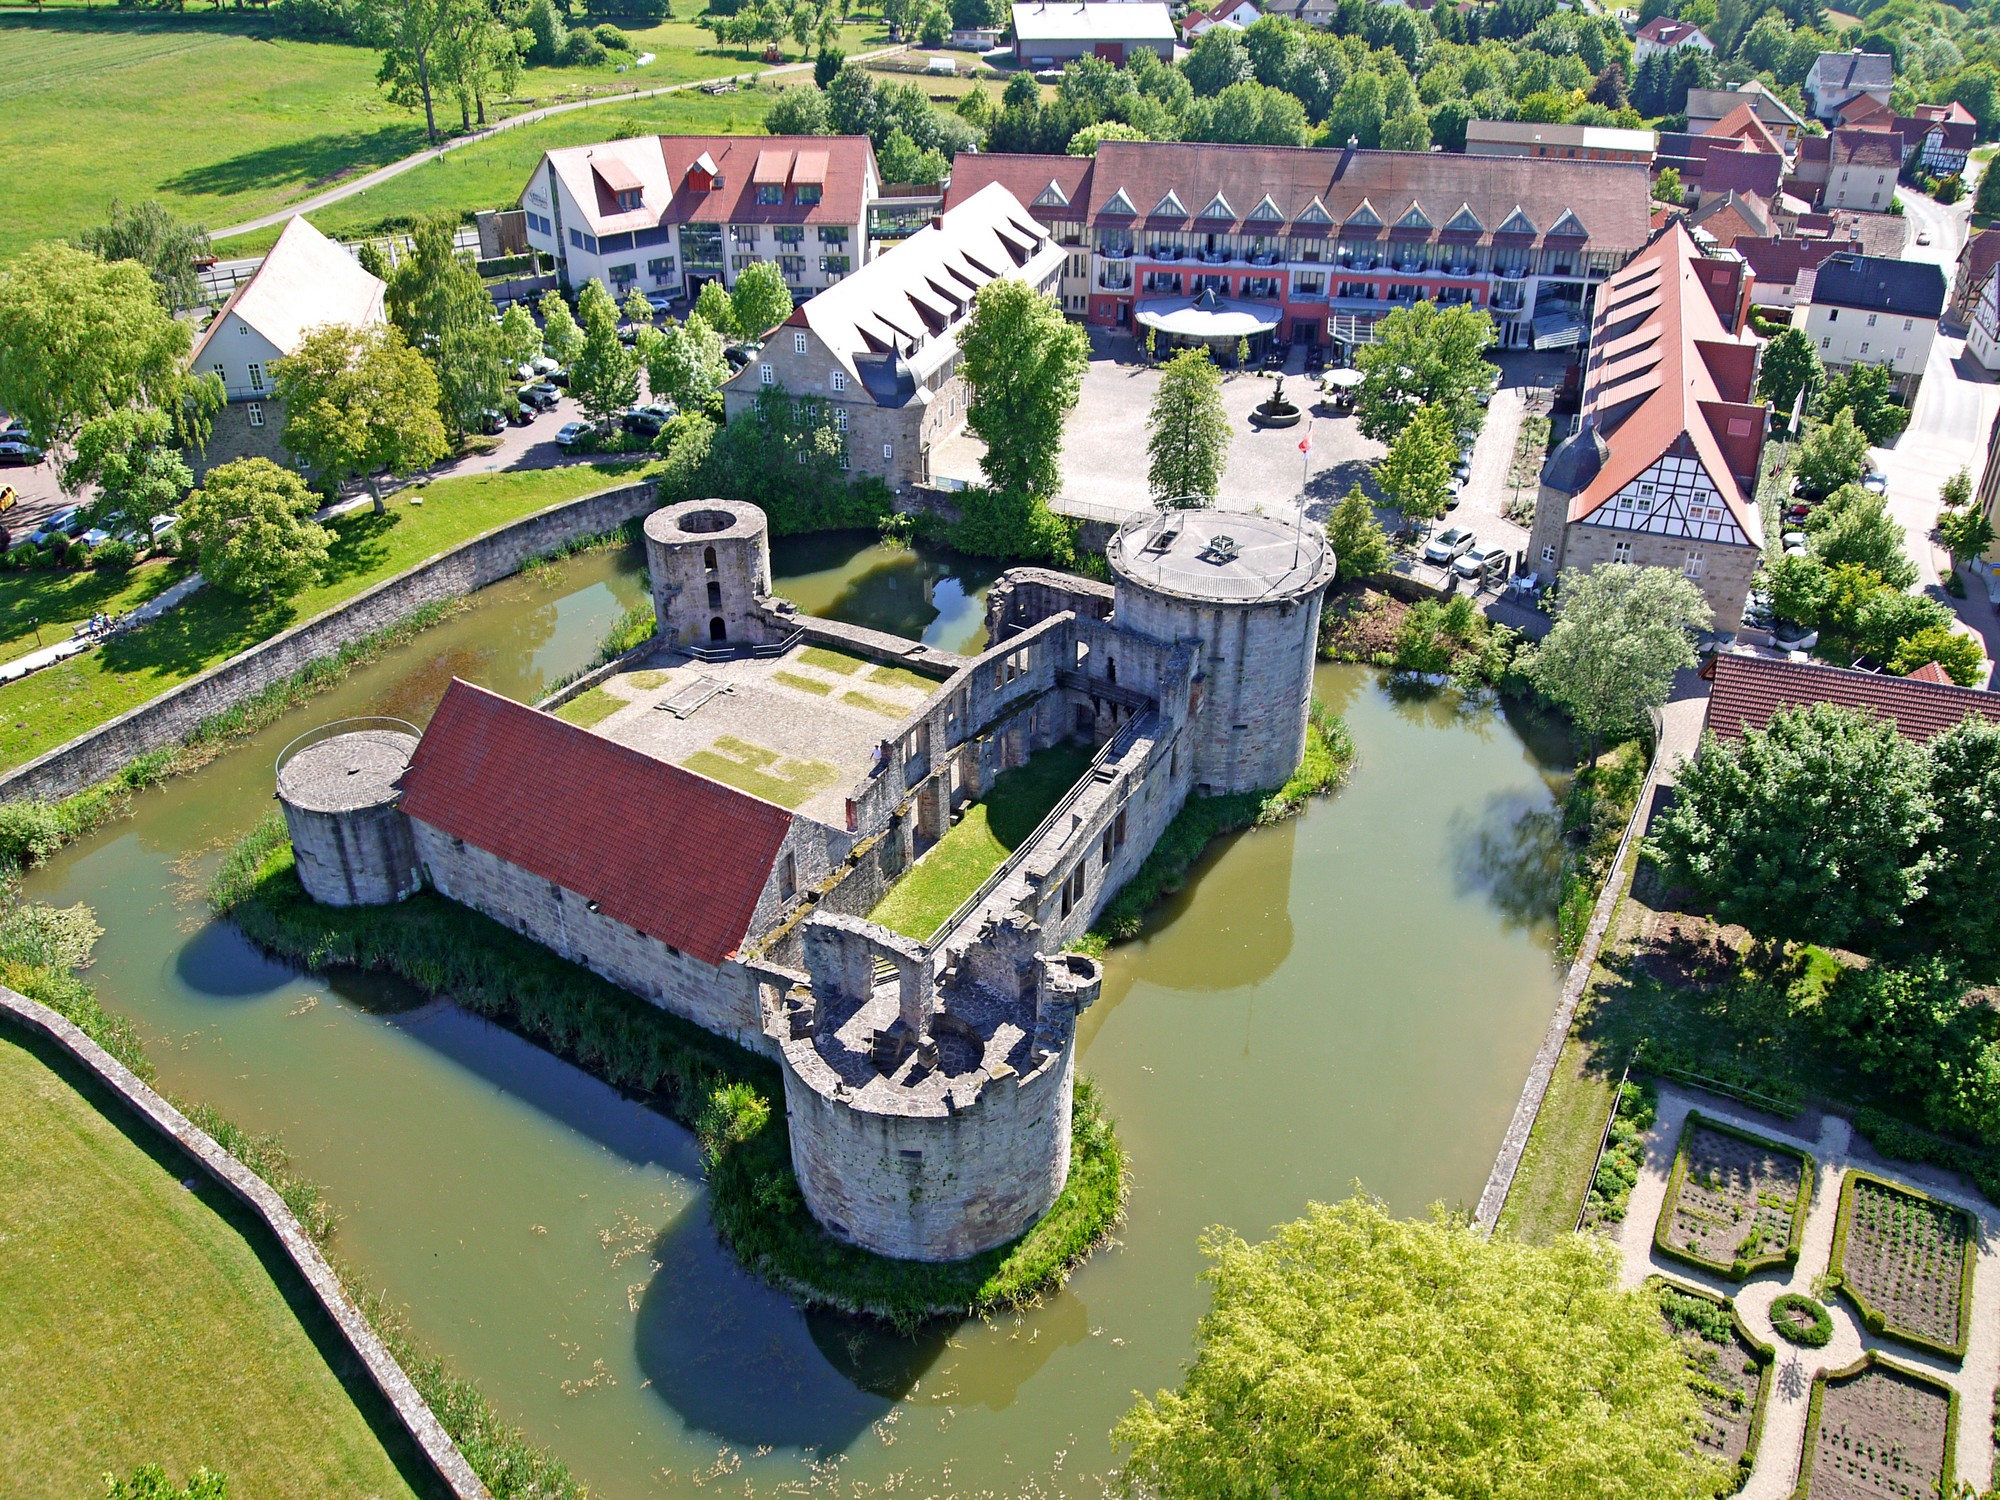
pixel 1190 440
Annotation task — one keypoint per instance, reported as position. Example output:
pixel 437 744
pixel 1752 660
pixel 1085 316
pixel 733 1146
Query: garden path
pixel 57 651
pixel 1835 1148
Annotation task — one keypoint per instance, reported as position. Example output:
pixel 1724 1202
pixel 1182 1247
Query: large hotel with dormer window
pixel 666 213
pixel 1317 244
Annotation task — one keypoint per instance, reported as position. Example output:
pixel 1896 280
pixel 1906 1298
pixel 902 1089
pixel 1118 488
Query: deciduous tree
pixel 443 309
pixel 1957 490
pixel 761 300
pixel 360 403
pixel 1854 526
pixel 604 376
pixel 1416 473
pixel 1360 546
pixel 685 364
pixel 1832 453
pixel 1957 913
pixel 520 339
pixel 1621 632
pixel 1961 656
pixel 1864 390
pixel 170 251
pixel 1190 432
pixel 1424 356
pixel 1356 1354
pixel 130 459
pixel 251 529
pixel 1812 830
pixel 560 335
pixel 717 308
pixel 1024 361
pixel 1966 533
pixel 1790 365
pixel 81 338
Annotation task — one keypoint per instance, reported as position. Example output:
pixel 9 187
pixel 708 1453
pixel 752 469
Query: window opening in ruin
pixel 1111 671
pixel 788 878
pixel 708 558
pixel 717 631
pixel 714 594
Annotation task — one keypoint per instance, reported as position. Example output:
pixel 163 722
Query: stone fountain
pixel 1275 411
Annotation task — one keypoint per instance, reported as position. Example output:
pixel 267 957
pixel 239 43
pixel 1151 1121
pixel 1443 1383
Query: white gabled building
pixel 307 281
pixel 666 213
pixel 881 349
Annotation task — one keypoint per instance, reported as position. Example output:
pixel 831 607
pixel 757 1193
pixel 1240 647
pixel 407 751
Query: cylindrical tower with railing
pixel 710 562
pixel 1247 588
pixel 337 785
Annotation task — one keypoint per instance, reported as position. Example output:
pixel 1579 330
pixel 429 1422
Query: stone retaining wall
pixel 171 716
pixel 410 1408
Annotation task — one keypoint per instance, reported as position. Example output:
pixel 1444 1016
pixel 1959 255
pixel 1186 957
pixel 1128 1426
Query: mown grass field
pixel 58 703
pixel 143 1325
pixel 39 609
pixel 223 121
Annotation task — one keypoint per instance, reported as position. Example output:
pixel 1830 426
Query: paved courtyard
pixel 1835 1149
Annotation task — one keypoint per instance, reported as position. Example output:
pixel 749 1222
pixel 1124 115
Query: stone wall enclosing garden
pixel 164 720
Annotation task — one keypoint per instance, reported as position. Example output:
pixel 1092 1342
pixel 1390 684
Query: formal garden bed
pixel 1905 1259
pixel 1735 1202
pixel 1632 1117
pixel 1802 1320
pixel 1876 1428
pixel 1729 1370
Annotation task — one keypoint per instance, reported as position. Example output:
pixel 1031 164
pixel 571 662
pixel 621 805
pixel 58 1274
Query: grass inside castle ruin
pixel 980 841
pixel 58 703
pixel 143 1324
pixel 732 1099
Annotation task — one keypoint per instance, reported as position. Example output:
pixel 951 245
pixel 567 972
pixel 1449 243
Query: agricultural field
pixel 1906 1261
pixel 1734 1202
pixel 1877 1430
pixel 223 121
pixel 144 1325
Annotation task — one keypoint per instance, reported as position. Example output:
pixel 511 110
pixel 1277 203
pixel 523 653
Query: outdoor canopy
pixel 1207 316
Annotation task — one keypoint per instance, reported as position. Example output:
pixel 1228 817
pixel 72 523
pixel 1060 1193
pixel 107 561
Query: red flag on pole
pixel 1306 442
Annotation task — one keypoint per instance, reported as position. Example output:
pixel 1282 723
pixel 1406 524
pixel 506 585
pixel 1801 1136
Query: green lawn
pixel 222 120
pixel 58 703
pixel 979 843
pixel 1554 1175
pixel 62 601
pixel 147 1323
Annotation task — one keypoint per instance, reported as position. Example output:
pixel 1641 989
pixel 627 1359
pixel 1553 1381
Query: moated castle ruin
pixel 753 782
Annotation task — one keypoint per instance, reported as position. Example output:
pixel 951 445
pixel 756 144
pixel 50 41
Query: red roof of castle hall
pixel 675 855
pixel 1749 690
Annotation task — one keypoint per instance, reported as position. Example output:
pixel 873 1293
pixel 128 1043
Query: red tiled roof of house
pixel 1029 179
pixel 660 168
pixel 1980 255
pixel 1932 671
pixel 1667 374
pixel 1867 148
pixel 679 857
pixel 1742 124
pixel 1748 690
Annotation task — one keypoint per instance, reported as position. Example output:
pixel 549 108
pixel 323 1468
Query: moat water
pixel 1352 996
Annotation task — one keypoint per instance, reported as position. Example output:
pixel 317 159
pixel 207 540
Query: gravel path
pixel 1834 1148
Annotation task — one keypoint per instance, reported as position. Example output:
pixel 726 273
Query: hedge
pixel 1872 1317
pixel 1736 1270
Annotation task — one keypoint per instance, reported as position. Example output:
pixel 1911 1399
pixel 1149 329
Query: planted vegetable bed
pixel 1736 1202
pixel 1905 1261
pixel 1730 1373
pixel 1876 1429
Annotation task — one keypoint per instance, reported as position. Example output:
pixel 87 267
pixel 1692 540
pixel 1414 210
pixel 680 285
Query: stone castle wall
pixel 451 575
pixel 928 1185
pixel 719 997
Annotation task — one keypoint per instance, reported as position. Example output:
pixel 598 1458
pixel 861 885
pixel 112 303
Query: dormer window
pixel 629 200
pixel 808 192
pixel 715 183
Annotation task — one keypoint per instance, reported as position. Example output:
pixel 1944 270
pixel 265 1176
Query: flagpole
pixel 1305 477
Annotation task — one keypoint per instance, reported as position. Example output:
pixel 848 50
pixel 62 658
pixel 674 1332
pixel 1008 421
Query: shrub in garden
pixel 1802 1320
pixel 115 555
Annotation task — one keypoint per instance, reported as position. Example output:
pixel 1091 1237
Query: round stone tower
pixel 352 843
pixel 710 561
pixel 1247 588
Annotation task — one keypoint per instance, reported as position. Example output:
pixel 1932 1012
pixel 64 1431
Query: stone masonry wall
pixel 450 575
pixel 935 1186
pixel 1725 581
pixel 722 998
pixel 324 1286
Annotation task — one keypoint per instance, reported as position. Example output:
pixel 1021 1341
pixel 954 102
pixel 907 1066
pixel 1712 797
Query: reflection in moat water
pixel 1353 995
pixel 918 591
pixel 1511 851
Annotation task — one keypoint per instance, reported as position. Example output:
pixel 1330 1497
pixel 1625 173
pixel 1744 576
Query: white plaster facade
pixel 1849 336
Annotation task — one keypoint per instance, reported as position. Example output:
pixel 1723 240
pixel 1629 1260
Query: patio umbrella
pixel 1342 379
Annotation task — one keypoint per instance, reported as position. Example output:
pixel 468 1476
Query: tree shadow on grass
pixel 208 627
pixel 360 545
pixel 316 162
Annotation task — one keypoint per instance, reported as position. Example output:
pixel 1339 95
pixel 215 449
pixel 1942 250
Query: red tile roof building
pixel 1328 240
pixel 634 839
pixel 1662 471
pixel 667 212
pixel 1748 691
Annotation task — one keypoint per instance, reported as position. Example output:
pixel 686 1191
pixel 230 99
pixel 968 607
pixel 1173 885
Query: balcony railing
pixel 1116 281
pixel 1115 252
pixel 1511 273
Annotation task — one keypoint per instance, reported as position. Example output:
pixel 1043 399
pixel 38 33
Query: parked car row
pixel 1459 550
